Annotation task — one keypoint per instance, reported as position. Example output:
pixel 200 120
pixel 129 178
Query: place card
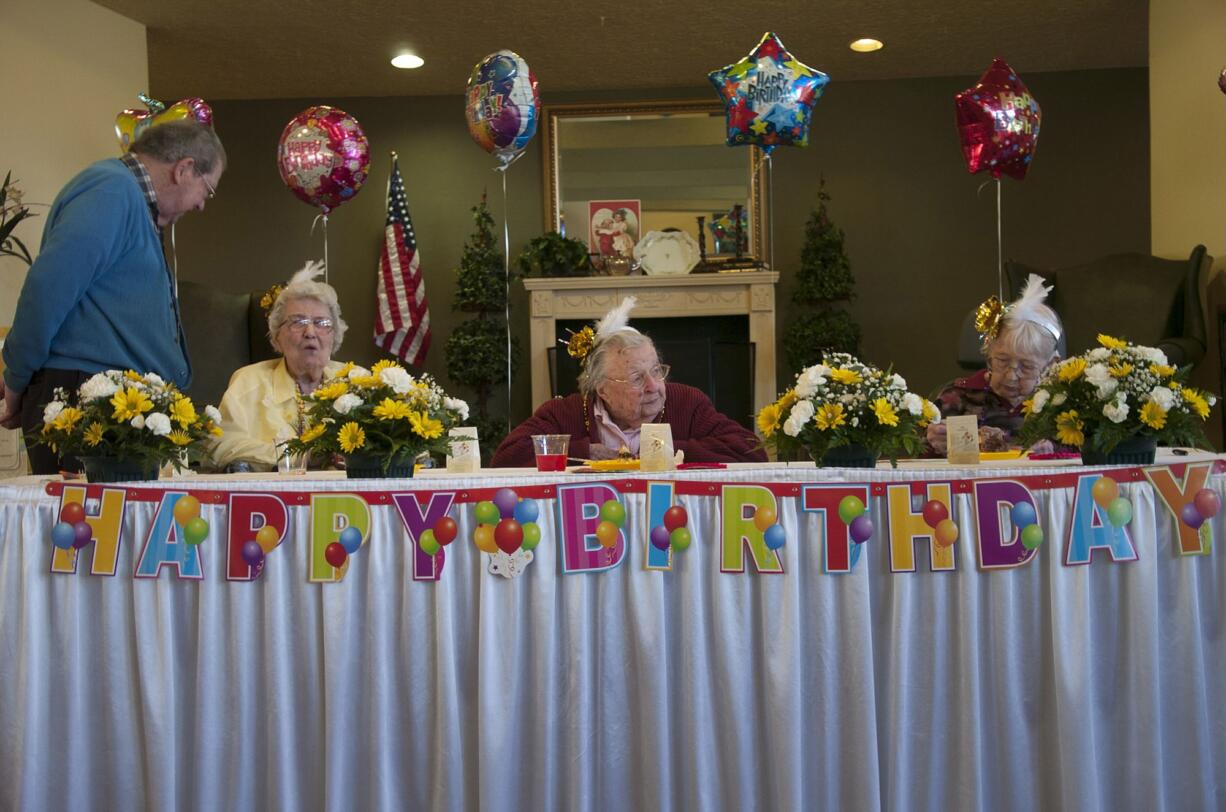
pixel 465 455
pixel 656 447
pixel 962 439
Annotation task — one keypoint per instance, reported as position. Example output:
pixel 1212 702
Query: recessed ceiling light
pixel 408 61
pixel 866 45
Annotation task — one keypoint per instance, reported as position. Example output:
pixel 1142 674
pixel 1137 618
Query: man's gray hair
pixel 597 361
pixel 187 138
pixel 297 290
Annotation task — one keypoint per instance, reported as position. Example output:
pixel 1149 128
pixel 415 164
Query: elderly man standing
pixel 622 386
pixel 100 295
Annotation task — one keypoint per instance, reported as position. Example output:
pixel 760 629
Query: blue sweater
pixel 99 296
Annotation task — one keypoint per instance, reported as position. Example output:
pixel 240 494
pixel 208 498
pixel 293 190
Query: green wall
pixel 920 237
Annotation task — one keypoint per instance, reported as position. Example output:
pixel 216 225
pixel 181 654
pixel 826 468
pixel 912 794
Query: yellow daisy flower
pixel 344 371
pixel 1120 370
pixel 787 401
pixel 425 426
pixel 179 437
pixel 1153 415
pixel 215 430
pixel 390 409
pixel 133 375
pixel 351 437
pixel 366 380
pixel 829 416
pixel 769 419
pixel 183 412
pixel 67 419
pixel 886 415
pixel 312 433
pixel 1069 428
pixel 1028 406
pixel 93 434
pixel 129 403
pixel 1111 343
pixel 1072 369
pixel 1161 370
pixel 847 376
pixel 332 391
pixel 379 366
pixel 930 413
pixel 1198 403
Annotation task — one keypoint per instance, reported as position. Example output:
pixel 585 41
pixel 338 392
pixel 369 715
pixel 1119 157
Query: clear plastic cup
pixel 551 450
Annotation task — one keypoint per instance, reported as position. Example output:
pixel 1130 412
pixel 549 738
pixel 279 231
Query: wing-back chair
pixel 224 331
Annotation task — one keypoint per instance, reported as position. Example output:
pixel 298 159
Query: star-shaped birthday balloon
pixel 769 96
pixel 998 122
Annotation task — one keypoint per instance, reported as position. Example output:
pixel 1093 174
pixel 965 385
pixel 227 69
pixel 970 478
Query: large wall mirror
pixel 619 171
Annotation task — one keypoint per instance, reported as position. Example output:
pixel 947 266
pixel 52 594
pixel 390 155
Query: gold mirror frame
pixel 759 225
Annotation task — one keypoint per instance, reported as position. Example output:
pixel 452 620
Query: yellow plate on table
pixel 609 465
pixel 1011 454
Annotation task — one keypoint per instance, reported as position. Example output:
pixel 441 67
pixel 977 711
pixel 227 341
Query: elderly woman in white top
pixel 264 403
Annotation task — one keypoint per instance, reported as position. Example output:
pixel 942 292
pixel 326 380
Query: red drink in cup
pixel 551 451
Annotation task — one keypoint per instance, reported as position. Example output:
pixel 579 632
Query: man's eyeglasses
pixel 1022 369
pixel 207 185
pixel 299 324
pixel 638 380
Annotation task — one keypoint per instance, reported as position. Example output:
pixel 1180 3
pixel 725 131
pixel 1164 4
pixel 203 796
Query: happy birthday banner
pixel 595 523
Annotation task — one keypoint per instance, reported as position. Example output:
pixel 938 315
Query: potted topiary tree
pixel 824 283
pixel 477 349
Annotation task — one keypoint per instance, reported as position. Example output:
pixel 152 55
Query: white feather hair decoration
pixel 1026 307
pixel 616 319
pixel 312 270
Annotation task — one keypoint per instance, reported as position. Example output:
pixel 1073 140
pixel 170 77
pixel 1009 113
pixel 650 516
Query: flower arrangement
pixel 383 412
pixel 129 416
pixel 1114 392
pixel 845 402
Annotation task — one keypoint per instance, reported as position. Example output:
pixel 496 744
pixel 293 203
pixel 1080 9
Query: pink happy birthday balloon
pixel 323 156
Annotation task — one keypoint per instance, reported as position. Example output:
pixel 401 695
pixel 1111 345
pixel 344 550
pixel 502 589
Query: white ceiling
pixel 250 49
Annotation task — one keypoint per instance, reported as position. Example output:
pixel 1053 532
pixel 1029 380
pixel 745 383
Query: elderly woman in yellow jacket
pixel 264 403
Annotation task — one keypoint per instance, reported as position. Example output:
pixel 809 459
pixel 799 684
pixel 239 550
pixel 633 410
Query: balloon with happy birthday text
pixel 323 156
pixel 768 96
pixel 130 123
pixel 502 105
pixel 998 123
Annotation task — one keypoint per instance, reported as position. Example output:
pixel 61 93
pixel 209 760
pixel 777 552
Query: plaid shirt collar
pixel 145 183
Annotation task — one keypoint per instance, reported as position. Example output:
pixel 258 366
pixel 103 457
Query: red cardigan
pixel 702 433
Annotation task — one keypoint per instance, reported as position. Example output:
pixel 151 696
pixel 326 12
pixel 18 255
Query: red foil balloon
pixel 323 156
pixel 998 122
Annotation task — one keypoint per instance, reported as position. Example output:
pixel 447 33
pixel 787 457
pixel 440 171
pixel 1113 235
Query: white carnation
pixel 398 379
pixel 153 379
pixel 1153 355
pixel 456 405
pixel 345 402
pixel 898 382
pixel 808 382
pixel 913 403
pixel 802 412
pixel 52 410
pixel 138 422
pixel 1116 411
pixel 99 386
pixel 1106 388
pixel 1163 397
pixel 1058 398
pixel 1098 374
pixel 1040 400
pixel 1099 354
pixel 158 423
pixel 212 414
pixel 359 372
pixel 792 426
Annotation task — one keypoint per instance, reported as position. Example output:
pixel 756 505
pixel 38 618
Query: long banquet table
pixel 597 679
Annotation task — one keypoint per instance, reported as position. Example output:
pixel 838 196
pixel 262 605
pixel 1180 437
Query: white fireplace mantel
pixel 749 294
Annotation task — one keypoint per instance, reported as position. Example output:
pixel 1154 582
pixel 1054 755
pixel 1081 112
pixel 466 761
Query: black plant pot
pixel 370 466
pixel 1133 451
pixel 117 469
pixel 848 456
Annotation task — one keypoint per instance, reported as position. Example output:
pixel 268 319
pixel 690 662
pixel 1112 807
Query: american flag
pixel 402 320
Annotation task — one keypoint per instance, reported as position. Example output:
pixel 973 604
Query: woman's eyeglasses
pixel 299 325
pixel 1022 369
pixel 638 380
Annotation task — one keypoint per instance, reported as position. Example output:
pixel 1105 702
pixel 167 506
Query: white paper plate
pixel 666 253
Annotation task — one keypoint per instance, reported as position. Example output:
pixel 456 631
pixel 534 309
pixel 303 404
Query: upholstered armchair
pixel 224 332
pixel 1148 300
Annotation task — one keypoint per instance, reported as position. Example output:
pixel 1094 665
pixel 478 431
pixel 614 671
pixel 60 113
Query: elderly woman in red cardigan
pixel 622 386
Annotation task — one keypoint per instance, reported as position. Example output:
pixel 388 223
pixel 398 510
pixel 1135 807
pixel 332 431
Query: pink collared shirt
pixel 611 435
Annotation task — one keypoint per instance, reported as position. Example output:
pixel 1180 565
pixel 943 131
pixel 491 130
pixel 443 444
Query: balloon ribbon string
pixel 1000 261
pixel 506 264
pixel 315 222
pixel 770 207
pixel 174 260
